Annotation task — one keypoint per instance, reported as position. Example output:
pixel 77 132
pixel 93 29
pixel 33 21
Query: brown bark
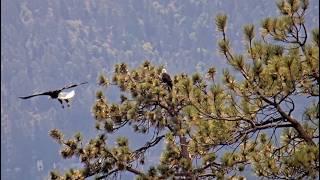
pixel 184 147
pixel 297 126
pixel 185 154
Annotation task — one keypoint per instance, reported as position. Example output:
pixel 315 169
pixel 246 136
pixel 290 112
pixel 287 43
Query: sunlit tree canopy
pixel 215 128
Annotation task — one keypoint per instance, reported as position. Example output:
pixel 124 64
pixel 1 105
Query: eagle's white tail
pixel 66 95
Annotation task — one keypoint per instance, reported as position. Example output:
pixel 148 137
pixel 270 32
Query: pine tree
pixel 216 129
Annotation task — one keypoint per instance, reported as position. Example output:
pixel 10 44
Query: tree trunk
pixel 184 147
pixel 185 154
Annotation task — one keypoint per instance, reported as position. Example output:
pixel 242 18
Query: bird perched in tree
pixel 58 94
pixel 165 78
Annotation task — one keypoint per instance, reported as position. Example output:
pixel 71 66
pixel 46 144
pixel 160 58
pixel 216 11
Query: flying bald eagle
pixel 58 94
pixel 165 78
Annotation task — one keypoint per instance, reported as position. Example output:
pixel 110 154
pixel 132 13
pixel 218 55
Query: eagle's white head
pixel 164 71
pixel 66 95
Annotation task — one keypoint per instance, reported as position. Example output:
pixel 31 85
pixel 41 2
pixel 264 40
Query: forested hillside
pixel 49 44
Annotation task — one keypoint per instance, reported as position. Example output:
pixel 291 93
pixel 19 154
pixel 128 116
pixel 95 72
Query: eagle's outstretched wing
pixel 73 85
pixel 53 94
pixel 40 94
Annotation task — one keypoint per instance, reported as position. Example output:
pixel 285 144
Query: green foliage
pixel 208 158
pixel 57 135
pixel 223 46
pixel 237 62
pixel 108 125
pixel 196 79
pixel 103 81
pixel 152 172
pixel 54 175
pixel 249 32
pixel 211 73
pixel 122 141
pixel 221 22
pixel 315 36
pixel 228 159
